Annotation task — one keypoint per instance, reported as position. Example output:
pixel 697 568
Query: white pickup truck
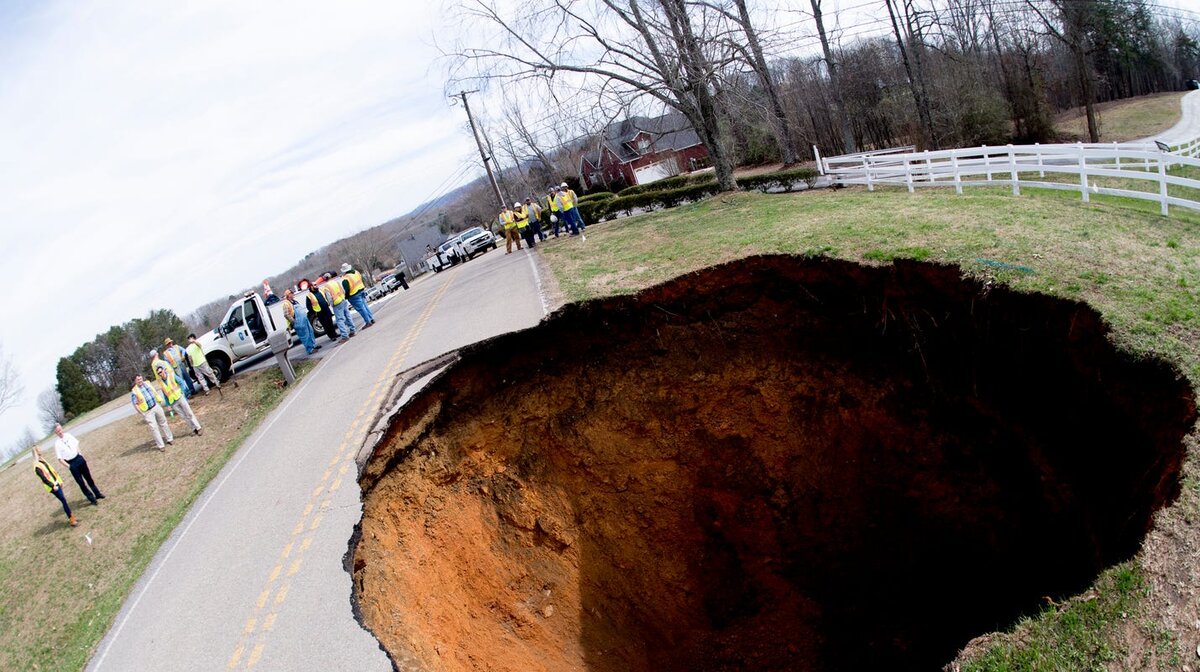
pixel 244 331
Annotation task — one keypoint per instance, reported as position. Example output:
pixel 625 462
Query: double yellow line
pixel 275 589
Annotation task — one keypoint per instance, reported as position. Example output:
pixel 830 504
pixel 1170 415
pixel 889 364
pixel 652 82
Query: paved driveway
pixel 253 577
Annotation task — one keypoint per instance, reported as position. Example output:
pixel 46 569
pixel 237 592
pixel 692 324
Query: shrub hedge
pixel 673 191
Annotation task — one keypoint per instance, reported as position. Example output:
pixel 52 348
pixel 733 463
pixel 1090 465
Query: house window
pixel 643 145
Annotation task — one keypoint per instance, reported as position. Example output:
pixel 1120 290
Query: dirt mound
pixel 775 464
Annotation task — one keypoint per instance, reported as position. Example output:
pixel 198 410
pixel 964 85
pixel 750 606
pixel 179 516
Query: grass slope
pixel 1141 270
pixel 60 590
pixel 1123 120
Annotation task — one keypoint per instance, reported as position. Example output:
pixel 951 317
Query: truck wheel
pixel 220 366
pixel 318 328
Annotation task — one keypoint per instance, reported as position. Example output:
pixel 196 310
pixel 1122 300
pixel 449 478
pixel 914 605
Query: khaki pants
pixel 510 235
pixel 205 371
pixel 158 421
pixel 185 409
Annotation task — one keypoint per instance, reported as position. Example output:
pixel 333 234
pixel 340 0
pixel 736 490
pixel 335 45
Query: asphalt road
pixel 253 578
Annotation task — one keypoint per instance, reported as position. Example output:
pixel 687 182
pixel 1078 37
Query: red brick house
pixel 640 150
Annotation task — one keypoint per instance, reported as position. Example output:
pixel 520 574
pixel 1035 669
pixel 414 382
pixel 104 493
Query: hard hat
pixel 346 268
pixel 517 204
pixel 563 185
pixel 152 353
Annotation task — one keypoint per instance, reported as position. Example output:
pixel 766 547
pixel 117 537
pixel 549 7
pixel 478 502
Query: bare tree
pixel 831 65
pixel 667 50
pixel 24 441
pixel 10 383
pixel 1076 18
pixel 369 251
pixel 50 409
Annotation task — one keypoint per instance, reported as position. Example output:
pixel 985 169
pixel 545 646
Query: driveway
pixel 253 577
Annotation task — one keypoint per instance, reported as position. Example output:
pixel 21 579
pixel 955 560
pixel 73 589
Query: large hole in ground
pixel 775 464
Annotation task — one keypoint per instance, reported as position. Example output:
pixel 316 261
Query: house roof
pixel 667 132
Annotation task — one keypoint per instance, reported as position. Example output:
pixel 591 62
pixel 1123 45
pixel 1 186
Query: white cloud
pixel 162 154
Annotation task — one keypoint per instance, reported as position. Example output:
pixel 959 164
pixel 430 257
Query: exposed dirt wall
pixel 778 463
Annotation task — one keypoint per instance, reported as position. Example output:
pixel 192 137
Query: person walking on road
pixel 297 318
pixel 318 307
pixel 66 447
pixel 149 402
pixel 352 284
pixel 175 357
pixel 53 483
pixel 173 396
pixel 335 296
pixel 204 372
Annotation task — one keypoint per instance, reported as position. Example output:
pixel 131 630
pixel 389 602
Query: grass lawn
pixel 63 586
pixel 1123 120
pixel 1141 270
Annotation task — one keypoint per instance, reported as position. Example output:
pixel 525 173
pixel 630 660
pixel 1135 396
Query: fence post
pixel 1117 153
pixel 1083 181
pixel 1041 172
pixel 867 174
pixel 817 156
pixel 957 176
pixel 929 167
pixel 1012 162
pixel 908 175
pixel 987 163
pixel 1162 186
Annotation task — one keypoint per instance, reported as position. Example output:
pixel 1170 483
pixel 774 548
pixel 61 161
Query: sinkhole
pixel 778 463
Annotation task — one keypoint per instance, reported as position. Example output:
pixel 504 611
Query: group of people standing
pixel 329 303
pixel 525 221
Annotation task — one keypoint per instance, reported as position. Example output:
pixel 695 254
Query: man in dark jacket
pixel 319 308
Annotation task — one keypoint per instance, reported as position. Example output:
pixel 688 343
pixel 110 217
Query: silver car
pixel 476 240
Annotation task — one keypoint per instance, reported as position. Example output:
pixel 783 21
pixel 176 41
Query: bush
pixel 598 196
pixel 784 179
pixel 592 211
pixel 654 200
pixel 667 184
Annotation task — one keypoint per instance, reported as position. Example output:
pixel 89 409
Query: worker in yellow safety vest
pixel 509 220
pixel 352 283
pixel 335 295
pixel 176 358
pixel 566 197
pixel 148 401
pixel 173 396
pixel 555 207
pixel 52 482
pixel 521 217
pixel 319 308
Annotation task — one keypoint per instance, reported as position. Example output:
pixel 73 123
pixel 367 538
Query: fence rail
pixel 1027 166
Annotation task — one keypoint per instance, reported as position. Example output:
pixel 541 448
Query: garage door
pixel 655 171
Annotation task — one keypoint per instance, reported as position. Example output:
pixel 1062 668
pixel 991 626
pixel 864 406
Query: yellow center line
pixel 345 451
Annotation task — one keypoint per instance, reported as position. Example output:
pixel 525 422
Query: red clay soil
pixel 774 464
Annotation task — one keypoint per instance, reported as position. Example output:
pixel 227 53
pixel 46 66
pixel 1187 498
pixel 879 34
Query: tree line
pixel 759 88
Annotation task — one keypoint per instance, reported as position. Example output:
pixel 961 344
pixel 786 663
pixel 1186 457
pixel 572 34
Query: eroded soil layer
pixel 774 464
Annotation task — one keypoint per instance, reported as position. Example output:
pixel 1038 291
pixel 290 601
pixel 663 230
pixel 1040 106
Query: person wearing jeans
pixel 53 483
pixel 66 447
pixel 335 296
pixel 356 294
pixel 297 319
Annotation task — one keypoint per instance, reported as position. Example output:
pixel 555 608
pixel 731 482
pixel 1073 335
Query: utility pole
pixel 482 154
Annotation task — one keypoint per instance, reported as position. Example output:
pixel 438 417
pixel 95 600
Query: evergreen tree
pixel 77 393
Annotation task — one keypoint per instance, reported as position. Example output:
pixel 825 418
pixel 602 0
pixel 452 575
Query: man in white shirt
pixel 66 447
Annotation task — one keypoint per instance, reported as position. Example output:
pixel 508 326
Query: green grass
pixel 1139 269
pixel 1123 120
pixel 1074 636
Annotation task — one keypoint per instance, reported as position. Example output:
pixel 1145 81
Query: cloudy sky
pixel 161 154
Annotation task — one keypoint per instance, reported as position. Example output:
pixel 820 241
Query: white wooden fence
pixel 1076 166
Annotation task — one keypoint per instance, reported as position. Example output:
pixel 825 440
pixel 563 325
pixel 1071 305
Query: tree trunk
pixel 848 144
pixel 783 130
pixel 925 121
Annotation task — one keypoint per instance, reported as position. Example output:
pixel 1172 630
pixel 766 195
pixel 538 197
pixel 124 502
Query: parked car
pixel 476 240
pixel 1193 84
pixel 390 283
pixel 447 254
pixel 376 292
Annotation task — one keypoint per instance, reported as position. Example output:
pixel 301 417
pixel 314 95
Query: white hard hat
pixel 517 204
pixel 346 268
pixel 563 185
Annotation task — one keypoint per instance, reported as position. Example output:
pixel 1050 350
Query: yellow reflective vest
pixel 44 470
pixel 508 219
pixel 169 386
pixel 174 355
pixel 552 202
pixel 568 199
pixel 355 280
pixel 196 353
pixel 333 291
pixel 141 400
pixel 521 218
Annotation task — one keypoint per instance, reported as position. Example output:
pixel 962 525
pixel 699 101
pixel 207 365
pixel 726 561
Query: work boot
pixel 197 432
pixel 100 496
pixel 73 521
pixel 353 333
